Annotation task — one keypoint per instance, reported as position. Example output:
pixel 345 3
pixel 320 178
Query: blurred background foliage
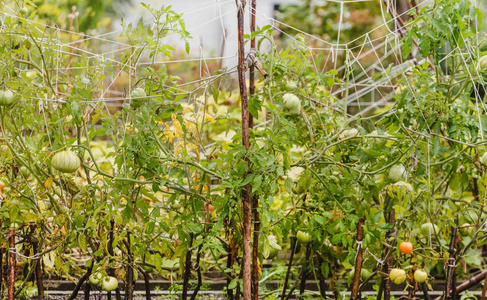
pixel 86 14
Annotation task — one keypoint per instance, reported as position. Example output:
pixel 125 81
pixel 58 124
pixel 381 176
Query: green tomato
pixel 397 276
pixel 272 253
pixel 465 229
pixel 6 97
pixel 147 268
pixel 483 159
pixel 65 161
pixel 420 276
pixel 348 133
pixel 398 173
pixel 364 274
pixel 24 171
pixel 429 229
pixel 292 103
pixel 137 97
pixel 291 85
pixel 304 237
pixel 109 283
pixel 483 62
pixel 96 278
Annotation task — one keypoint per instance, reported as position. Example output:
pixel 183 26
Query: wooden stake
pixel 389 258
pixel 255 199
pixel 247 197
pixel 450 271
pixel 187 268
pixel 358 259
pixel 11 264
pixel 111 271
pixel 321 278
pixel 294 242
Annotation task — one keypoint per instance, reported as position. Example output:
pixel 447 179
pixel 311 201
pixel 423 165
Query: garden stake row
pixel 358 259
pixel 246 201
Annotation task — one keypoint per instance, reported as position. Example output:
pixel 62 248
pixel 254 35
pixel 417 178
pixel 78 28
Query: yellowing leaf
pixel 48 182
pixel 178 128
pixel 210 118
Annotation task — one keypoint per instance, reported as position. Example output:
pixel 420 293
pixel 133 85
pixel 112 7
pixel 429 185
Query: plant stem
pixel 78 286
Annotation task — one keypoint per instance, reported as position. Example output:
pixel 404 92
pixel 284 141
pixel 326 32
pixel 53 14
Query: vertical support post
pixel 391 219
pixel 452 261
pixel 187 268
pixel 247 233
pixel 358 259
pixel 11 264
pixel 255 199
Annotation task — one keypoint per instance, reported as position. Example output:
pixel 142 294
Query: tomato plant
pixel 156 182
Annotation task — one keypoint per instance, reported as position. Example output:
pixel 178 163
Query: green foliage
pixel 166 176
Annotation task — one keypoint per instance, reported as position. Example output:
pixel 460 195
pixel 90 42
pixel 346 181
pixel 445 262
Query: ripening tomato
pixel 209 207
pixel 406 247
pixel 397 276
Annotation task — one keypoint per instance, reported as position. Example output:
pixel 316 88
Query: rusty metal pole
pixel 247 233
